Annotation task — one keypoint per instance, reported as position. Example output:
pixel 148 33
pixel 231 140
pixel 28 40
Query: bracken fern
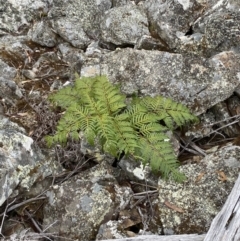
pixel 98 109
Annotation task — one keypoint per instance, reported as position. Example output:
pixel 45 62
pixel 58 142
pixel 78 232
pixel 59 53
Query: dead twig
pixel 4 215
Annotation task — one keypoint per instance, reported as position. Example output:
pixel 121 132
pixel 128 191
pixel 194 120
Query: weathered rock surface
pixel 85 15
pixel 83 202
pixel 16 16
pixel 196 82
pixel 42 34
pixel 169 21
pixel 123 25
pixel 21 163
pixel 190 207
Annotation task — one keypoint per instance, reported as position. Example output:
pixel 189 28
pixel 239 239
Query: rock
pixel 218 35
pixel 118 3
pixel 224 120
pixel 86 13
pixel 109 230
pixel 194 26
pixel 136 171
pixel 74 57
pixel 196 82
pixel 210 34
pixel 170 20
pixel 21 163
pixel 17 16
pixel 42 34
pixel 9 91
pixel 149 43
pixel 190 207
pixel 123 25
pixel 72 32
pixel 81 204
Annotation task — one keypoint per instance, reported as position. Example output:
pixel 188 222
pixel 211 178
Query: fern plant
pixel 98 109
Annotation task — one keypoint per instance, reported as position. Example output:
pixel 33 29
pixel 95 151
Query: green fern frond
pixel 158 153
pixel 98 109
pixel 125 135
pixel 146 129
pixel 85 85
pixel 109 95
pixel 167 110
pixel 65 97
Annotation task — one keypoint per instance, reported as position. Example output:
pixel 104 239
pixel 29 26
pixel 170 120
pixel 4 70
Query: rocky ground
pixel 185 50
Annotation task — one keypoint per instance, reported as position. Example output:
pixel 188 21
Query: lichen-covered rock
pixel 84 14
pixel 194 26
pixel 72 32
pixel 190 207
pixel 149 43
pixel 42 34
pixel 171 19
pixel 82 203
pixel 9 91
pixel 216 32
pixel 21 163
pixel 197 82
pixel 16 16
pixel 123 25
pixel 118 3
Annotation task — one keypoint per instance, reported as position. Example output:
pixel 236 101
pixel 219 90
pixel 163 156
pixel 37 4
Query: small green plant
pixel 98 109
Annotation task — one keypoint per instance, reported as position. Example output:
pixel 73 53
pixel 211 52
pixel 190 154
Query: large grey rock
pixel 85 15
pixel 9 91
pixel 194 26
pixel 16 16
pixel 215 33
pixel 83 202
pixel 42 34
pixel 72 32
pixel 196 82
pixel 118 3
pixel 123 25
pixel 190 207
pixel 170 19
pixel 21 163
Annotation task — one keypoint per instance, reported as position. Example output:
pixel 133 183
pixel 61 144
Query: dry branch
pixel 184 237
pixel 226 225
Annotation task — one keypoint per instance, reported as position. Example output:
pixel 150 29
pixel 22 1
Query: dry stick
pixel 193 145
pixel 229 118
pixel 215 132
pixel 234 122
pixel 140 184
pixel 33 221
pixel 189 150
pixel 146 192
pixel 75 170
pixel 24 202
pixel 226 139
pixel 198 149
pixel 190 143
pixel 49 226
pixel 137 202
pixel 4 215
pixel 36 225
pixel 151 215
